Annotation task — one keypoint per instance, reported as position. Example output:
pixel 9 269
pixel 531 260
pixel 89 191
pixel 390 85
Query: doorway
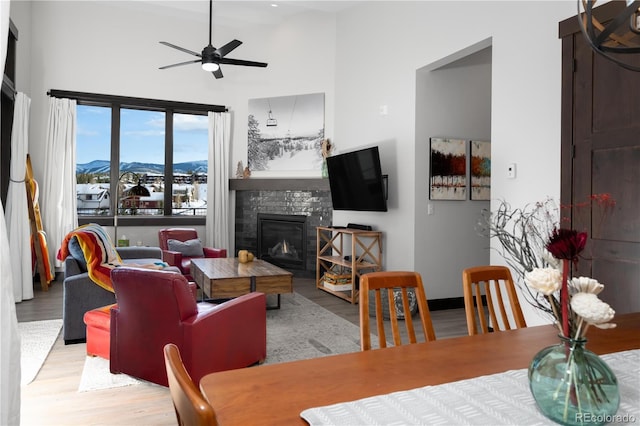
pixel 453 99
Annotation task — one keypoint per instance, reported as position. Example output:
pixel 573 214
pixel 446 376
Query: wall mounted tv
pixel 356 181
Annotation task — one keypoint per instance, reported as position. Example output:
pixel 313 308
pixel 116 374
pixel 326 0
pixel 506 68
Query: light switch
pixel 511 171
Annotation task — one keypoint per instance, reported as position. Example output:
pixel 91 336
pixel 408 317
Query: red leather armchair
pixel 177 258
pixel 157 307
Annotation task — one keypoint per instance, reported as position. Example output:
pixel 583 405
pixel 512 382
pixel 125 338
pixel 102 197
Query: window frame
pixel 117 103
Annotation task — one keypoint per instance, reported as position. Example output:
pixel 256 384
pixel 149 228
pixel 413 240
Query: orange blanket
pixel 99 253
pixel 42 240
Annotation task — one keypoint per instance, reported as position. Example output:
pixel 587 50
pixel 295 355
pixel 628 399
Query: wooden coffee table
pixel 221 278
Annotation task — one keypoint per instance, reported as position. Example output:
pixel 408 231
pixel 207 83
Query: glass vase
pixel 573 386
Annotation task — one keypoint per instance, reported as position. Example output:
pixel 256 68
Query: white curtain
pixel 58 189
pixel 9 337
pixel 17 214
pixel 217 228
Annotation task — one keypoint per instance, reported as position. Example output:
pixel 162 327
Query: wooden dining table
pixel 276 394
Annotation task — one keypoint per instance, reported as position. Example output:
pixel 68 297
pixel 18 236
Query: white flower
pixel 586 285
pixel 544 280
pixel 591 308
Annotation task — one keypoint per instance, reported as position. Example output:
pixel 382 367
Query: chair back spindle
pixel 393 283
pixel 484 285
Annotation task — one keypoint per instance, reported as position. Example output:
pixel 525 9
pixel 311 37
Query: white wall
pixel 113 48
pixel 148 235
pixel 366 57
pixel 380 47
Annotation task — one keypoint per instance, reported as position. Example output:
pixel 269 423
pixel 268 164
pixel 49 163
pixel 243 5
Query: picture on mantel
pixel 286 133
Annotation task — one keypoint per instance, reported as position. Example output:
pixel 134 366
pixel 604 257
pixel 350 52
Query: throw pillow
pixel 76 252
pixel 189 248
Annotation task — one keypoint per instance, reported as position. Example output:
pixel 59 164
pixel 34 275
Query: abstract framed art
pixel 480 170
pixel 448 169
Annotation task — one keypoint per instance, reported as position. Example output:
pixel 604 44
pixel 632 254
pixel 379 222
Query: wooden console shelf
pixel 347 260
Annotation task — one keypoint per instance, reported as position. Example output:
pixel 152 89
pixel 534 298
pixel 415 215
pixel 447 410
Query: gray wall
pixel 453 99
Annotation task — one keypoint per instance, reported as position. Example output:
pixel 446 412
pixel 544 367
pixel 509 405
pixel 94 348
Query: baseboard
pixel 298 273
pixel 442 304
pixel 57 276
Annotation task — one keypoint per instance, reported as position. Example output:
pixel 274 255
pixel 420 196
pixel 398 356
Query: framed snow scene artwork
pixel 286 133
pixel 448 169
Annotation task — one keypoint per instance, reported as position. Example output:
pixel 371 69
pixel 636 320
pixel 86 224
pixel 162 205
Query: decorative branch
pixel 522 234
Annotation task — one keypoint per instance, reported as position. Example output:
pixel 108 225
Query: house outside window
pixel 93 147
pixel 190 155
pixel 148 159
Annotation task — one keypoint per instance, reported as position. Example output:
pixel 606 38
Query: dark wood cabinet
pixel 601 154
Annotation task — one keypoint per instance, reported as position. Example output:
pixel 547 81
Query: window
pixel 190 152
pixel 142 155
pixel 93 142
pixel 7 100
pixel 132 148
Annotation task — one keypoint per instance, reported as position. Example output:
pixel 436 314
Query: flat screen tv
pixel 356 182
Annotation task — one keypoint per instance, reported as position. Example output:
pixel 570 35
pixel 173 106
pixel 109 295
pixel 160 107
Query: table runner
pixel 498 399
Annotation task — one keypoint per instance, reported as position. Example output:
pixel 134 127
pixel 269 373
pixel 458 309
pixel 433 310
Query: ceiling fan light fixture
pixel 210 66
pixel 211 58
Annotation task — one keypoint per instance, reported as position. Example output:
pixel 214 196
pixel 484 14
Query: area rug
pixel 36 340
pixel 300 329
pixel 96 376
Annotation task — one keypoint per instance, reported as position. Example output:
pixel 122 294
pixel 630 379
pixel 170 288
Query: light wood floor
pixel 53 397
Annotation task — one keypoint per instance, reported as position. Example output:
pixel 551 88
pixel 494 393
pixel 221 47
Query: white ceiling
pixel 240 13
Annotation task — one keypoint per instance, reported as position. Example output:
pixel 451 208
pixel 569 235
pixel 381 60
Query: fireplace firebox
pixel 282 240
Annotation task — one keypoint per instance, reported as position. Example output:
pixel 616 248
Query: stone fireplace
pixel 305 203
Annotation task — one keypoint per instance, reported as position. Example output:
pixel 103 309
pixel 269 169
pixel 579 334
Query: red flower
pixel 566 243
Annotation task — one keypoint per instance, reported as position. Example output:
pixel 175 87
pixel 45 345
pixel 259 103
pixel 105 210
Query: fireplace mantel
pixel 279 184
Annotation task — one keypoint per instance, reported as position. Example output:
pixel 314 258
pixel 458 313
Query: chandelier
pixel 620 36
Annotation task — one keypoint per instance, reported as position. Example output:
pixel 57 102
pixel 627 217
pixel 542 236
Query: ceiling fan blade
pixel 210 55
pixel 191 52
pixel 180 64
pixel 230 61
pixel 217 73
pixel 224 50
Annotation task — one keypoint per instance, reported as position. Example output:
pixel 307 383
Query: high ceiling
pixel 240 13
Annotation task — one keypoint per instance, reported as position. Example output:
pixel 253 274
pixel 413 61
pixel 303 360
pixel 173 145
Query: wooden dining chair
pixel 387 281
pixel 190 405
pixel 483 287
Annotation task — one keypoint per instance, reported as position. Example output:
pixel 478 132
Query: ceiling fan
pixel 211 58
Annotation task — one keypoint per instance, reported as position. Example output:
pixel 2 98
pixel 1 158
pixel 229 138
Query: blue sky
pixel 142 136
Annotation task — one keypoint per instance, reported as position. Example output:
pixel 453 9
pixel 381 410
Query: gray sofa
pixel 81 294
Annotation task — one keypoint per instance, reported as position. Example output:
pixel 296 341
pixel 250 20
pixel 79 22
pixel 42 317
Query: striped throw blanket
pixel 99 253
